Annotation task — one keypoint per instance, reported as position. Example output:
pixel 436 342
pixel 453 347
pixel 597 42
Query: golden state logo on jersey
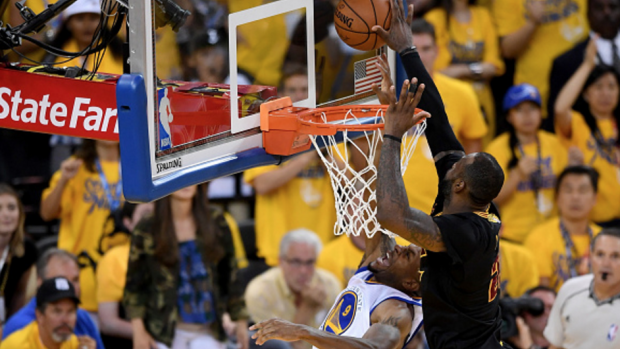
pixel 342 315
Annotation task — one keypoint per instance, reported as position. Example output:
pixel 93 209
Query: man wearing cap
pixel 56 316
pixel 55 263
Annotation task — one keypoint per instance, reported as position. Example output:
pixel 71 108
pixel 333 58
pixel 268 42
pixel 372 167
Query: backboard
pixel 188 112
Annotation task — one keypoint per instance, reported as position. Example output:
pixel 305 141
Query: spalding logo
pixel 344 19
pixel 342 314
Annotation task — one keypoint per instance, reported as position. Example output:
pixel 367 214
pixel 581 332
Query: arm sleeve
pixel 508 15
pixel 109 284
pixel 438 131
pixel 491 43
pixel 461 237
pixel 474 126
pixel 135 296
pixel 554 332
pixel 249 175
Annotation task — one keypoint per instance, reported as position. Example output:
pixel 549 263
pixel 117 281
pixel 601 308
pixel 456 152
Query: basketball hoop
pixel 288 130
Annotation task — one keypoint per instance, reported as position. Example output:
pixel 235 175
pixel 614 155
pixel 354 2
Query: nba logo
pixel 613 330
pixel 165 120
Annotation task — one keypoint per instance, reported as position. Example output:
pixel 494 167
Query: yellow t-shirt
pixel 467 122
pixel 109 64
pixel 466 43
pixel 608 201
pixel 519 272
pixel 28 338
pixel 524 209
pixel 261 45
pixel 564 24
pixel 167 55
pixel 84 209
pixel 340 257
pixel 548 247
pixel 111 274
pixel 306 201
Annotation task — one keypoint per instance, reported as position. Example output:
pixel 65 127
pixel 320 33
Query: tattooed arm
pixel 391 325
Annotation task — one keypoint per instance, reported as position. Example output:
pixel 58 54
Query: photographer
pixel 525 318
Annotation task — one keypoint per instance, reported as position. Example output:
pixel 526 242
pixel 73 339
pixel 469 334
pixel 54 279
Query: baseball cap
pixel 82 6
pixel 55 289
pixel 521 93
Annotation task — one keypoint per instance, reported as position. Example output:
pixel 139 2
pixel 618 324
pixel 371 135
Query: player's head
pixel 424 38
pixel 399 268
pixel 477 178
pixel 575 191
pixel 604 17
pixel 299 250
pixel 294 82
pixel 605 257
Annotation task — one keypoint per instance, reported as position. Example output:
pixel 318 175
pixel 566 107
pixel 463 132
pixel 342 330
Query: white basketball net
pixel 354 189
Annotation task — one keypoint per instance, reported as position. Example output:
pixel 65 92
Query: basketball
pixel 354 20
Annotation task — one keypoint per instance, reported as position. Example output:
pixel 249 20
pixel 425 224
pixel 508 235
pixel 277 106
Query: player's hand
pixel 527 165
pixel 313 296
pixel 401 116
pixel 386 80
pixel 399 36
pixel 591 52
pixel 536 10
pixel 85 342
pixel 277 329
pixel 69 168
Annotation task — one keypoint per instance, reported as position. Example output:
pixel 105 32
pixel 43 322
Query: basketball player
pixel 378 309
pixel 460 264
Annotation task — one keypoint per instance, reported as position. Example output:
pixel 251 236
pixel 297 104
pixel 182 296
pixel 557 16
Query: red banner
pixel 57 105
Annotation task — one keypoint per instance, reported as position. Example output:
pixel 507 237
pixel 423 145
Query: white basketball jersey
pixel 350 314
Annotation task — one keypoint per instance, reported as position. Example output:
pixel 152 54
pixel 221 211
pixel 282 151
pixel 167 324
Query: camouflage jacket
pixel 151 287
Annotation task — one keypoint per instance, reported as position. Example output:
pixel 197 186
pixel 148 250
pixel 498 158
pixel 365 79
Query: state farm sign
pixel 57 105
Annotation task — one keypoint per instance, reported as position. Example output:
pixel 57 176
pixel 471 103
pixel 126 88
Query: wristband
pixel 408 50
pixel 394 138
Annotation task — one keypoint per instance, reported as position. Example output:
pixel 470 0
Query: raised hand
pixel 69 168
pixel 386 82
pixel 591 52
pixel 527 165
pixel 401 116
pixel 535 10
pixel 399 37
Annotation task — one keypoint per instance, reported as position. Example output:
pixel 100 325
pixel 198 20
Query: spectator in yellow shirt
pixel 594 135
pixel 56 313
pixel 468 49
pixel 531 159
pixel 518 269
pixel 535 32
pixel 82 194
pixel 561 244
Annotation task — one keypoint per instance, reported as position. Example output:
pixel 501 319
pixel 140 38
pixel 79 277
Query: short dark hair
pixel 47 255
pixel 422 26
pixel 578 170
pixel 540 288
pixel 484 177
pixel 614 232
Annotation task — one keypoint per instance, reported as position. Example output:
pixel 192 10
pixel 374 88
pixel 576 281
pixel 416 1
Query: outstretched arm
pixel 391 324
pixel 441 138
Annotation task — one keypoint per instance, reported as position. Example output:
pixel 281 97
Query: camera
pixel 513 307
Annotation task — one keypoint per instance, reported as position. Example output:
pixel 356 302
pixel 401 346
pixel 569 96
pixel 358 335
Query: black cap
pixel 55 289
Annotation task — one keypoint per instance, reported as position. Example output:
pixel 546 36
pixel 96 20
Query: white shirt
pixel 579 321
pixel 350 314
pixel 603 46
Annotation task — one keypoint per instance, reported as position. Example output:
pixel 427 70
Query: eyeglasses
pixel 298 263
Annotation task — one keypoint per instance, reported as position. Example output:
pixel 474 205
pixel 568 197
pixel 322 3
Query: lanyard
pixel 536 177
pixel 570 248
pixel 114 204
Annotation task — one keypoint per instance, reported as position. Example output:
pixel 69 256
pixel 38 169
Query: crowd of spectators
pixel 534 83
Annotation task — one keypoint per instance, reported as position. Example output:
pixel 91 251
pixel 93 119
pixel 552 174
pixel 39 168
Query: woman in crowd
pixel 531 159
pixel 181 277
pixel 468 49
pixel 17 254
pixel 82 194
pixel 592 132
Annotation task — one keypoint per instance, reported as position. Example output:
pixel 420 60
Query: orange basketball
pixel 354 20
